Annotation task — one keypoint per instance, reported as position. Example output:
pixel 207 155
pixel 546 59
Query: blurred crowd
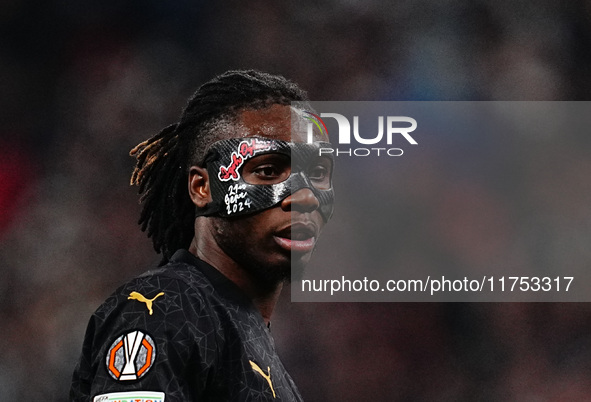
pixel 84 82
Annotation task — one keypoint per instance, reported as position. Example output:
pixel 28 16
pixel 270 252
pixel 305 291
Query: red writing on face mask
pixel 246 149
pixel 231 172
pixel 249 148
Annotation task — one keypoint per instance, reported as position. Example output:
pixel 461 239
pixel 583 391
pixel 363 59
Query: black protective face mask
pixel 279 169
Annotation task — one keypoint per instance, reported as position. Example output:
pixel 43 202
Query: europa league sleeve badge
pixel 131 356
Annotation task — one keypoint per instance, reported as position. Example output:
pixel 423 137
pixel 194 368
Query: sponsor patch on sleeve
pixel 131 396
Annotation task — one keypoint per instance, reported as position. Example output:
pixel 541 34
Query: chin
pixel 274 277
pixel 297 273
pixel 269 274
pixel 297 266
pixel 278 268
pixel 272 274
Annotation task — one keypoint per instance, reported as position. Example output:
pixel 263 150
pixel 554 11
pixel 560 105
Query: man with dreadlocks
pixel 234 197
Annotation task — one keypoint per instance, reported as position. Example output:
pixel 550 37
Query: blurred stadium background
pixel 83 82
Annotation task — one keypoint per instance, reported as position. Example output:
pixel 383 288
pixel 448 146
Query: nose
pixel 302 200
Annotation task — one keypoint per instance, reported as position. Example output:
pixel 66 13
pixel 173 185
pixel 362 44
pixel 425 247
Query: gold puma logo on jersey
pixel 141 298
pixel 267 377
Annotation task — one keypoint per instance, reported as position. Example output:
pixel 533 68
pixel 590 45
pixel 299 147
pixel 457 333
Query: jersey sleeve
pixel 155 336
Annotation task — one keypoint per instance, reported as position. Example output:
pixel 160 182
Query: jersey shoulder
pixel 149 333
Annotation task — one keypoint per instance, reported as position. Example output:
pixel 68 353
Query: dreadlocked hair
pixel 163 161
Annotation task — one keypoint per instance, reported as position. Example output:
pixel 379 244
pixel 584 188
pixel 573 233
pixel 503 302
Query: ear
pixel 199 189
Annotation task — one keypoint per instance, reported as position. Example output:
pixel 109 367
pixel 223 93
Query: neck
pixel 263 296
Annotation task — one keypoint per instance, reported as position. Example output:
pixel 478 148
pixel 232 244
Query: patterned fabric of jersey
pixel 184 330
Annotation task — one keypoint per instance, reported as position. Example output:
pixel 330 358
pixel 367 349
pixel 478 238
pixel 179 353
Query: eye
pixel 266 172
pixel 266 169
pixel 320 174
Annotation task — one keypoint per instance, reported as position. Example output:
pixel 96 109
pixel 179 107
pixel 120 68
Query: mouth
pixel 298 237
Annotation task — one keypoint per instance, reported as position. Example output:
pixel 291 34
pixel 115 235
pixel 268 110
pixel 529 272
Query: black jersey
pixel 183 332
